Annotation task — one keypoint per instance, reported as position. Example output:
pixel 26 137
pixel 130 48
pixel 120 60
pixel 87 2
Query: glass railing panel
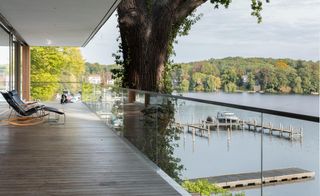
pixel 173 133
pixel 292 146
pixel 229 147
pixel 109 107
pixel 141 123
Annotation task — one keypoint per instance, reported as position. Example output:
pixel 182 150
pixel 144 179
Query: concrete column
pixel 26 64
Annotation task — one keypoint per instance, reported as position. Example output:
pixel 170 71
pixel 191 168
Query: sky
pixel 290 29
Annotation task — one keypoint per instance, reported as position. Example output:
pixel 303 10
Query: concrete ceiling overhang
pixel 57 22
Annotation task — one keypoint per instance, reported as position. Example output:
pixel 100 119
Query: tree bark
pixel 146 32
pixel 131 96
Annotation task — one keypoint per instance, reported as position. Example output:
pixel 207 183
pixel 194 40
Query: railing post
pixel 131 96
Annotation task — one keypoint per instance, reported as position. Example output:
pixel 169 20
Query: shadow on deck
pixel 82 157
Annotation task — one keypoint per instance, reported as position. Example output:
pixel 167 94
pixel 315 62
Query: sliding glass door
pixel 10 62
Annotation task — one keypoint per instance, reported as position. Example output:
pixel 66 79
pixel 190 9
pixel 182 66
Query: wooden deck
pixel 82 157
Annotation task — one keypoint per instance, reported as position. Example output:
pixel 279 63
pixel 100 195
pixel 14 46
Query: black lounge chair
pixel 21 110
pixel 27 114
pixel 18 100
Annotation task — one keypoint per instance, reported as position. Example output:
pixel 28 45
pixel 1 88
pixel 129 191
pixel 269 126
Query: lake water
pixel 240 151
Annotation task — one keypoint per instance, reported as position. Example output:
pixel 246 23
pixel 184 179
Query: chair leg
pixel 10 114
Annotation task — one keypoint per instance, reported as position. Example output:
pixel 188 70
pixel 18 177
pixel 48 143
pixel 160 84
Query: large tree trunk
pixel 146 32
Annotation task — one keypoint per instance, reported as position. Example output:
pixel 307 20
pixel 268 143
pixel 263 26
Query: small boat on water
pixel 224 117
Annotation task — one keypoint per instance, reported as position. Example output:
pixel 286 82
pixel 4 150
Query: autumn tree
pixel 297 87
pixel 53 66
pixel 213 82
pixel 148 29
pixel 281 64
pixel 229 79
pixel 198 80
pixel 251 81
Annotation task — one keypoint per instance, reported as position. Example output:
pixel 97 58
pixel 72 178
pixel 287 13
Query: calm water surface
pixel 240 151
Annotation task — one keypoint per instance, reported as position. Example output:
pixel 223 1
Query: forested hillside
pixel 236 73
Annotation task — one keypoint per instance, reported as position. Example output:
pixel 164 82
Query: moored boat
pixel 224 117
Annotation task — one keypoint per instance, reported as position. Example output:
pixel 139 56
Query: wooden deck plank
pixel 82 157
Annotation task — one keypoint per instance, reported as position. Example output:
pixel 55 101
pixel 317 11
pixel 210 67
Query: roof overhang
pixel 57 22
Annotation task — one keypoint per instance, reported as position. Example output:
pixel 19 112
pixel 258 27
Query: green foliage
pixel 297 85
pixel 44 91
pixel 232 73
pixel 96 68
pixel 205 188
pixel 53 65
pixel 230 87
pixel 185 85
pixel 198 79
pixel 213 83
pixel 256 7
pixel 159 138
pixel 229 79
pixel 87 92
pixel 251 81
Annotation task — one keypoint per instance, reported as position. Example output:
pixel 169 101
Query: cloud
pixel 290 28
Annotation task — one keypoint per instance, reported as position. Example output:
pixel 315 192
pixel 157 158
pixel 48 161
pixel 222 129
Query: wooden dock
pixel 271 177
pixel 198 130
pixel 281 131
pixel 203 128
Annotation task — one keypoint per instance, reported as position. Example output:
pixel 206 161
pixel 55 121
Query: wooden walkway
pixel 275 176
pixel 83 157
pixel 280 131
pixel 203 128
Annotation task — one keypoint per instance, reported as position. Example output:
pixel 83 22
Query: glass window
pixel 4 60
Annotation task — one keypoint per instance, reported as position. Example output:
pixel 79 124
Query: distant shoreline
pixel 249 92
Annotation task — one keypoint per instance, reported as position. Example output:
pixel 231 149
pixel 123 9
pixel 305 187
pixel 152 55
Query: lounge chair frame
pixel 27 114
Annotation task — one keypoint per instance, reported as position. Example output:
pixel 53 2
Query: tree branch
pixel 186 7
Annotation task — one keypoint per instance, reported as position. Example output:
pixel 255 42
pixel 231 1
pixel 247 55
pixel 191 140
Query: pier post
pixel 301 132
pixel 242 125
pixel 193 134
pixel 281 130
pixel 208 128
pixel 270 128
pixel 228 139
